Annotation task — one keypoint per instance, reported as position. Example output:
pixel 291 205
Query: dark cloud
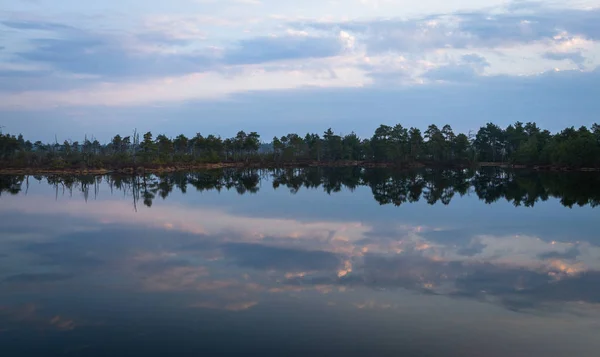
pixel 66 253
pixel 78 51
pixel 379 233
pixel 284 259
pixel 401 35
pixel 515 288
pixel 163 39
pixel 265 49
pixel 22 74
pixel 79 251
pixel 475 59
pixel 584 287
pixel 575 57
pixel 104 57
pixel 528 5
pixel 469 29
pixel 160 266
pixel 388 77
pixel 407 271
pixel 16 81
pixel 37 278
pixel 570 254
pixel 498 280
pixel 38 25
pixel 461 237
pixel 493 30
pixel 452 73
pixel 476 247
pixel 17 223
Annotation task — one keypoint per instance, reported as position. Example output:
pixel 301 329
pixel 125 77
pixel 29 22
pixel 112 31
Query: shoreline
pixel 158 169
pixel 208 166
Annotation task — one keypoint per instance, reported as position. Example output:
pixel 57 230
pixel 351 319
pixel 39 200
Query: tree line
pixel 389 187
pixel 519 143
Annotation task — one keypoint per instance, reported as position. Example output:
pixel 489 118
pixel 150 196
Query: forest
pixel 388 186
pixel 518 144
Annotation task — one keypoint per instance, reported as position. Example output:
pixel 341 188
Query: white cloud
pixel 195 86
pixel 241 2
pixel 292 32
pixel 347 40
pixel 248 2
pixel 374 3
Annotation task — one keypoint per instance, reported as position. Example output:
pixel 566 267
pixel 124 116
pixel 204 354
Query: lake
pixel 297 262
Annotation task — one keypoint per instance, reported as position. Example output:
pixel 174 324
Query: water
pixel 301 262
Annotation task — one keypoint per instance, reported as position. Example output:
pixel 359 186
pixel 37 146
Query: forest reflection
pixel 520 187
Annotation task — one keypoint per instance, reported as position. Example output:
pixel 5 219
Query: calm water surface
pixel 301 262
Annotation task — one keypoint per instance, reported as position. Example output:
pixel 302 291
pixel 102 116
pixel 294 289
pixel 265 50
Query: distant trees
pixel 519 143
pixel 436 143
pixel 9 145
pixel 490 143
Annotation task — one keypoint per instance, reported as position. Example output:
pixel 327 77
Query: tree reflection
pixel 11 184
pixel 396 187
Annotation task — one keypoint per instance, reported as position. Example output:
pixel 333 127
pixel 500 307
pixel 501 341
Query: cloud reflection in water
pixel 203 257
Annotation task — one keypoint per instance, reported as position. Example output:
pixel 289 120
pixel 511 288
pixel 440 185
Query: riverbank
pixel 153 169
pixel 537 167
pixel 124 170
pixel 158 169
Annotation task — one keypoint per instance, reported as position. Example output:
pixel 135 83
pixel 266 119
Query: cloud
pixel 195 61
pixel 248 2
pixel 233 306
pixel 570 254
pixel 455 72
pixel 178 278
pixel 107 57
pixel 147 53
pixel 160 265
pixel 14 81
pixel 241 2
pixel 474 248
pixel 282 259
pixel 168 28
pixel 468 68
pixel 517 288
pixel 158 49
pixel 575 57
pixel 37 278
pixel 196 86
pixel 29 25
pixel 319 254
pixel 584 287
pixel 476 59
pixel 162 49
pixel 267 49
pixel 62 323
pixel 563 98
pixel 463 30
pixel 32 314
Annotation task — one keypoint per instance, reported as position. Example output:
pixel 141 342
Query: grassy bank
pixel 144 169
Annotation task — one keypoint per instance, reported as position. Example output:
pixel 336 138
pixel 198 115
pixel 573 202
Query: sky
pixel 74 68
